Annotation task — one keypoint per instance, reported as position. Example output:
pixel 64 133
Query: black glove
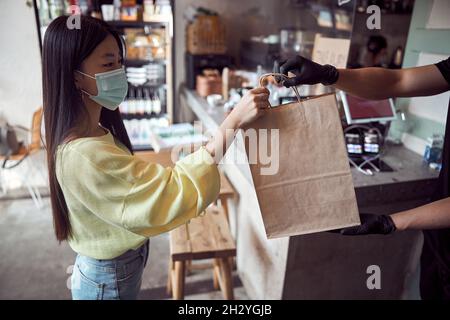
pixel 307 72
pixel 371 224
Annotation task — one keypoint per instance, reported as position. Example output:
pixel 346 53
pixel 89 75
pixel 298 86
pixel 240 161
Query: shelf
pixel 137 116
pixel 141 62
pixel 137 24
pixel 157 18
pixel 147 85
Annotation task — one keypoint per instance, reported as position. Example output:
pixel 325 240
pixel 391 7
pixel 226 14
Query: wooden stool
pixel 226 192
pixel 205 237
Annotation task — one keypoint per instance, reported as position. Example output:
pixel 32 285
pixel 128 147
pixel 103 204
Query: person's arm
pixel 368 83
pixel 435 215
pixel 248 109
pixel 380 83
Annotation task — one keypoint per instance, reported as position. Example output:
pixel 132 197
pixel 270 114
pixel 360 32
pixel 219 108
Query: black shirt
pixel 444 67
pixel 437 242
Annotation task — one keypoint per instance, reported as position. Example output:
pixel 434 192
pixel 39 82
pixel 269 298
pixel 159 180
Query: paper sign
pixel 331 51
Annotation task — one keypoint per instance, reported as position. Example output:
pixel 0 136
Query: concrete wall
pixel 20 82
pixel 20 62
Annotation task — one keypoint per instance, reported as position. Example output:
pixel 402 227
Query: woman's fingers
pixel 260 112
pixel 263 104
pixel 261 97
pixel 259 90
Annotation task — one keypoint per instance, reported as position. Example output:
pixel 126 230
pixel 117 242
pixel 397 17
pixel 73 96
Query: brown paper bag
pixel 313 188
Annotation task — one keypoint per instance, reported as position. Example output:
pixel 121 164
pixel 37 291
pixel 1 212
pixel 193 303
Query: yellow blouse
pixel 116 200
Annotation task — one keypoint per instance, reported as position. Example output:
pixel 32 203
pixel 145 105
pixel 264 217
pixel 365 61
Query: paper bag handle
pixel 261 79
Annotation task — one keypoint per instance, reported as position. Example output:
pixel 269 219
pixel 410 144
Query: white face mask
pixel 112 88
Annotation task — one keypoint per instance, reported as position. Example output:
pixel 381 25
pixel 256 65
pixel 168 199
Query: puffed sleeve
pixel 142 197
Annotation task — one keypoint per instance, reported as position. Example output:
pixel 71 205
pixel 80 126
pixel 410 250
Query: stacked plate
pixel 137 76
pixel 153 73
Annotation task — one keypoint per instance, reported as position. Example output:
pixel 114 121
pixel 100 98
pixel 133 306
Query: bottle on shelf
pixel 148 101
pixel 131 101
pixel 117 7
pixel 140 104
pixel 156 104
pixel 123 107
pixel 397 58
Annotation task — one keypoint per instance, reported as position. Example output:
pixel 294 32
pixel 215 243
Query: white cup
pixel 108 12
pixel 214 99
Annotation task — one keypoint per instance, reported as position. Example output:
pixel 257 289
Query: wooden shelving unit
pixel 162 88
pixel 155 22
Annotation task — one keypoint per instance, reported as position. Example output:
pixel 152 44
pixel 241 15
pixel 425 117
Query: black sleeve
pixel 444 68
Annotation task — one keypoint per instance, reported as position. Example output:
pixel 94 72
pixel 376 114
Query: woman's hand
pixel 250 107
pixel 247 110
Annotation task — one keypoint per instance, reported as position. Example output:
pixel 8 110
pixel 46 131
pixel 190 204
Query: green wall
pixel 420 40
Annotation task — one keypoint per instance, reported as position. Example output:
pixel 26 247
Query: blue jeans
pixel 114 279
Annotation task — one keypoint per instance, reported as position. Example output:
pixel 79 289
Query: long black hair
pixel 63 52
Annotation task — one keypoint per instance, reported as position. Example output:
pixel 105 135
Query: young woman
pixel 106 202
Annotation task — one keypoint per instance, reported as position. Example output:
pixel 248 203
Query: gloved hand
pixel 371 224
pixel 307 72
